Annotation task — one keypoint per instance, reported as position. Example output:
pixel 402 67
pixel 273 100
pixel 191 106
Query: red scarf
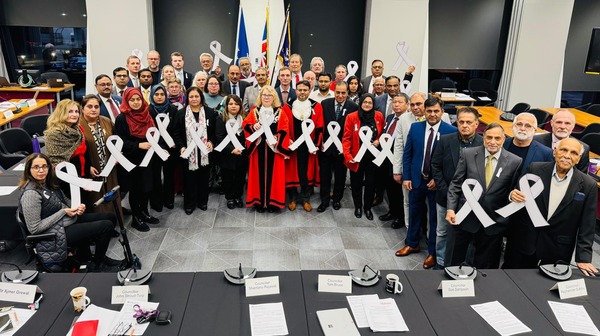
pixel 80 151
pixel 138 120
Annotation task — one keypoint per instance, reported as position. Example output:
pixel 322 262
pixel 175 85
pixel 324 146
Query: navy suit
pixel 413 158
pixel 241 88
pixel 104 111
pixel 536 153
pixel 291 96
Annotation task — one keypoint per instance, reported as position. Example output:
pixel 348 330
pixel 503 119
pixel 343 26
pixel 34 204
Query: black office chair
pixel 540 115
pixel 54 74
pixel 35 125
pixel 591 128
pixel 594 109
pixel 437 85
pixel 30 241
pixel 15 145
pixel 479 87
pixel 520 107
pixel 592 140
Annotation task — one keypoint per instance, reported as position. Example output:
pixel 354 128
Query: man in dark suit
pixel 286 94
pixel 133 66
pixel 383 103
pixel 523 145
pixel 443 166
pixel 567 204
pixel 376 72
pixel 418 180
pixel 562 124
pixel 109 104
pixel 496 171
pixel 177 62
pixel 332 160
pixel 233 83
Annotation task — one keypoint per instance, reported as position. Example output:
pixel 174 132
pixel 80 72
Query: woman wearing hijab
pixel 266 172
pixel 197 165
pixel 362 173
pixel 163 191
pixel 131 126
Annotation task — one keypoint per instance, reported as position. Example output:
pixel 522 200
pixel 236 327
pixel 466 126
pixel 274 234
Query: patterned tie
pixel 489 170
pixel 338 111
pixel 147 95
pixel 427 162
pixel 284 97
pixel 392 127
pixel 113 108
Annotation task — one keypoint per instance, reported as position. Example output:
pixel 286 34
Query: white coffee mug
pixel 80 301
pixel 393 284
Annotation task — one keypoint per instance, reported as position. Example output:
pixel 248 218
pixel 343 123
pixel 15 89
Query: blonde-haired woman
pixel 266 172
pixel 200 80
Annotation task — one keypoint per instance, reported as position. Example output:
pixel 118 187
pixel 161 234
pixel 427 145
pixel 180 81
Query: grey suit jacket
pixel 471 165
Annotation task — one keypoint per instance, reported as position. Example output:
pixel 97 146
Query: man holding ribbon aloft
pixel 567 210
pixel 483 179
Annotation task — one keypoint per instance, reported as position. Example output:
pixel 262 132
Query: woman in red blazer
pixel 362 173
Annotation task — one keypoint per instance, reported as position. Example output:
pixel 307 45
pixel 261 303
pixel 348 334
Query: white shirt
pixel 318 97
pixel 428 129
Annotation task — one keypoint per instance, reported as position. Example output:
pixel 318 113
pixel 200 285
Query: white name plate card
pixel 570 289
pixel 335 283
pixel 457 288
pixel 120 294
pixel 262 286
pixel 17 292
pixel 31 102
pixel 8 114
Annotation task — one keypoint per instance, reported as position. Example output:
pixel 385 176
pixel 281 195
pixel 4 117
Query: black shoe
pixel 203 207
pixel 259 209
pixel 388 216
pixel 230 204
pixel 273 209
pixel 115 233
pixel 369 214
pixel 126 211
pixel 377 200
pixel 145 216
pixel 139 224
pixel 398 223
pixel 322 207
pixel 239 203
pixel 112 262
pixel 189 211
pixel 336 205
pixel 169 205
pixel 358 212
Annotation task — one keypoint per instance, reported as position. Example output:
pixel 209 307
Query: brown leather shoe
pixel 307 206
pixel 406 250
pixel 292 205
pixel 429 262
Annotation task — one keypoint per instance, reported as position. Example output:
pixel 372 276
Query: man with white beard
pixel 523 145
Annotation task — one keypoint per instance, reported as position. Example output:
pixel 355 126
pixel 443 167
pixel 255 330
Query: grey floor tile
pixel 345 218
pixel 179 261
pixel 394 238
pixel 269 238
pixel 231 239
pixel 378 259
pixel 319 238
pixel 150 242
pixel 235 218
pixel 314 259
pixel 362 238
pixel 271 260
pixel 186 239
pixel 219 260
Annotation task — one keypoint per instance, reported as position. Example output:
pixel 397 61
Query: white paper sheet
pixel 125 317
pixel 7 190
pixel 358 309
pixel 500 318
pixel 19 167
pixel 573 318
pixel 18 317
pixel 268 319
pixel 384 315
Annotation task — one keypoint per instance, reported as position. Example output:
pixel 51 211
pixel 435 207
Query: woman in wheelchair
pixel 45 209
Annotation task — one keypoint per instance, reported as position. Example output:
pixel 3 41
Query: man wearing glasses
pixel 154 65
pixel 110 103
pixel 523 145
pixel 377 72
pixel 121 77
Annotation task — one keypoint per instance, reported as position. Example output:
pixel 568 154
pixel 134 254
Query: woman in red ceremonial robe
pixel 266 171
pixel 362 174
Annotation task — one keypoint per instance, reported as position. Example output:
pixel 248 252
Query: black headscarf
pixel 160 108
pixel 367 117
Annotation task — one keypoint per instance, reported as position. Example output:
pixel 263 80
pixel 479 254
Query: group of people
pixel 306 131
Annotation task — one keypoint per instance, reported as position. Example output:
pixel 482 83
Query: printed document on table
pixel 7 190
pixel 126 321
pixel 358 309
pixel 384 315
pixel 18 318
pixel 573 318
pixel 500 318
pixel 268 319
pixel 104 316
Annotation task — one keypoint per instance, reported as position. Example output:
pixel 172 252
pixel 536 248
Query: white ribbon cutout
pixel 386 141
pixel 115 156
pixel 75 182
pixel 472 203
pixel 162 121
pixel 365 133
pixel 215 47
pixel 402 49
pixel 140 55
pixel 153 135
pixel 197 137
pixel 352 69
pixel 406 87
pixel 334 129
pixel 531 193
pixel 231 126
pixel 266 129
pixel 307 127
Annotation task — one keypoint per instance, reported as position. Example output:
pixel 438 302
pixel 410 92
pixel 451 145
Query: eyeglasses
pixel 104 84
pixel 213 84
pixel 38 168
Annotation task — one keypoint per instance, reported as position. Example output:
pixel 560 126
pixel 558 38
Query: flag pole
pixel 283 32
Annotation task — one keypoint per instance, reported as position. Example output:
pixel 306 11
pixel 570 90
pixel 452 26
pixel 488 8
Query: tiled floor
pixel 221 238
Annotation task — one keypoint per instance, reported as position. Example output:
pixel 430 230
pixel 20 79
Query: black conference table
pixel 407 302
pixel 536 287
pixel 217 307
pixel 454 316
pixel 9 230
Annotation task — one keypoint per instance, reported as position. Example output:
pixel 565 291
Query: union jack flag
pixel 265 44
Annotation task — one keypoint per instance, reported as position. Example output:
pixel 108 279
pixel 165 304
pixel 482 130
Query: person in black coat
pixel 234 161
pixel 197 166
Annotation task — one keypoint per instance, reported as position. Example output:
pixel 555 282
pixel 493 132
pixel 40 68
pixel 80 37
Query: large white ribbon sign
pixel 114 144
pixel 265 127
pixel 531 193
pixel 232 126
pixel 472 203
pixel 386 141
pixel 402 49
pixel 352 69
pixel 215 47
pixel 75 182
pixel 365 133
pixel 197 137
pixel 334 129
pixel 153 135
pixel 162 121
pixel 139 54
pixel 307 127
